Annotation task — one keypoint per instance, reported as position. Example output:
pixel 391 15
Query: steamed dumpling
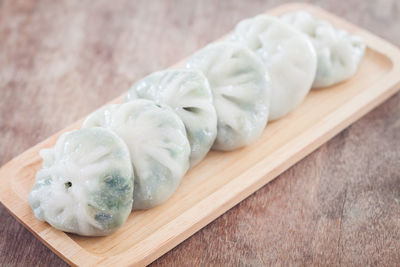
pixel 86 182
pixel 240 89
pixel 289 58
pixel 157 143
pixel 188 93
pixel 339 53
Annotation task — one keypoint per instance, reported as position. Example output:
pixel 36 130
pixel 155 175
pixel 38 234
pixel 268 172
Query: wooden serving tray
pixel 222 179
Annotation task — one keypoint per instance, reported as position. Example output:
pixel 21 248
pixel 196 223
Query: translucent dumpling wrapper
pixel 188 93
pixel 157 143
pixel 86 182
pixel 339 53
pixel 240 89
pixel 288 55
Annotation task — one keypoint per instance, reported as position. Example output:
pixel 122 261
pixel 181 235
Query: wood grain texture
pixel 68 58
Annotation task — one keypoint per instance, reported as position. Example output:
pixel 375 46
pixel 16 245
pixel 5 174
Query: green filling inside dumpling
pixel 86 183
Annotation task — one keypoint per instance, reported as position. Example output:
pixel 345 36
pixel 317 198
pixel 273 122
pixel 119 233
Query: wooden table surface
pixel 59 60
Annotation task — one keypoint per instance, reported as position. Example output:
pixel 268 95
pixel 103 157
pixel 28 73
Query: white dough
pixel 240 90
pixel 339 53
pixel 188 93
pixel 289 58
pixel 157 143
pixel 86 182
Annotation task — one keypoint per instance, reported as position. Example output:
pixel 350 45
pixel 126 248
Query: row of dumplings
pixel 134 155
